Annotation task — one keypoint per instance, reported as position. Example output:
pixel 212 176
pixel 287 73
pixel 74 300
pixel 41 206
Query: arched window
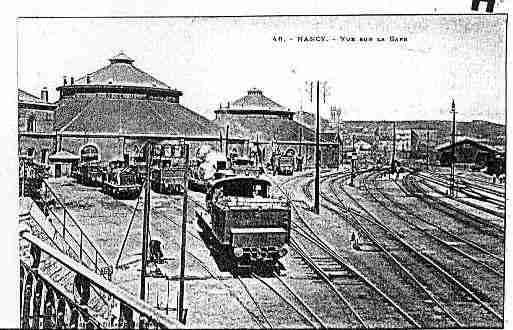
pixel 31 123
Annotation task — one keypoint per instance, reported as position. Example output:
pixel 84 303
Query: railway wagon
pixel 121 183
pixel 31 175
pixel 245 166
pixel 91 173
pixel 285 163
pixel 168 170
pixel 137 162
pixel 247 224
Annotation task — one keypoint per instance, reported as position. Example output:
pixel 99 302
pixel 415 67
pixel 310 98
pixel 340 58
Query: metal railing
pixel 45 303
pixel 72 233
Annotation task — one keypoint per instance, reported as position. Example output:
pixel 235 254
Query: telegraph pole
pixel 353 153
pixel 300 140
pixel 226 141
pixel 342 147
pixel 146 221
pixel 338 111
pixel 393 151
pixel 427 151
pixel 317 154
pixel 453 149
pixel 180 314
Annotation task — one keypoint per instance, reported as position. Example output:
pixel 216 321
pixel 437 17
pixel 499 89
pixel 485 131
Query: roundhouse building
pixel 122 99
pixel 258 117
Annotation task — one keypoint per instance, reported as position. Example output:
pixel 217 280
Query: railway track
pixel 485 226
pixel 286 294
pixel 470 242
pixel 366 304
pixel 476 183
pixel 496 203
pixel 480 270
pixel 447 292
pixel 262 316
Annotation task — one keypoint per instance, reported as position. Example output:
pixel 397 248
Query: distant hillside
pixel 480 129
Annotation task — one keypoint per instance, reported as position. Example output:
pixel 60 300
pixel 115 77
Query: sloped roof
pixel 256 99
pixel 269 129
pixel 130 116
pixel 465 139
pixel 121 72
pixel 63 155
pixel 308 119
pixel 27 97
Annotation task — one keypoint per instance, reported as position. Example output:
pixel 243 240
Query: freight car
pixel 90 170
pixel 121 182
pixel 167 173
pixel 285 163
pixel 245 223
pixel 31 176
pixel 137 162
pixel 91 173
pixel 245 166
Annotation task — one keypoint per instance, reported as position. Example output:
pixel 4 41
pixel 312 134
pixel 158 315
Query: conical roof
pixel 257 100
pixel 121 58
pixel 121 72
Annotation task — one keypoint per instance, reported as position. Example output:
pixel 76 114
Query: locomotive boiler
pixel 209 165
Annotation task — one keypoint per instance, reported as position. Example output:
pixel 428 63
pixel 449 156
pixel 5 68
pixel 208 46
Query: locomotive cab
pixel 252 226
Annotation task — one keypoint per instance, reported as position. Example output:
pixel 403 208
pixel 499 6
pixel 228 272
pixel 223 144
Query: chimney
pixel 88 79
pixel 72 81
pixel 65 81
pixel 44 94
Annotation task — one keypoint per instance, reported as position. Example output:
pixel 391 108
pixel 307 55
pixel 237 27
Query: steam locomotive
pixel 246 223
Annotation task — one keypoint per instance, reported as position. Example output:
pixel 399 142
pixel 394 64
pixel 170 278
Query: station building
pixel 467 151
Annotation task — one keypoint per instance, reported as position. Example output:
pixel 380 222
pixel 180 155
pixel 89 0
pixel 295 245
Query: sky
pixel 216 60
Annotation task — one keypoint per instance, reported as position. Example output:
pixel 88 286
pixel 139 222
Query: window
pixel 31 123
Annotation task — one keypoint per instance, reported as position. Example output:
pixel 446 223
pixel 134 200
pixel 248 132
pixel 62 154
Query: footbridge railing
pixel 64 225
pixel 45 303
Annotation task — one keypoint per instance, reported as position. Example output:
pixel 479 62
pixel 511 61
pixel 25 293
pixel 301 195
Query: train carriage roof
pixel 259 180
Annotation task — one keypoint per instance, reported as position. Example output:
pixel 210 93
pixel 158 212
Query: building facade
pixel 36 116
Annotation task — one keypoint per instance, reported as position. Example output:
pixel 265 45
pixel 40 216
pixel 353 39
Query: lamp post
pixel 317 155
pixel 453 149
